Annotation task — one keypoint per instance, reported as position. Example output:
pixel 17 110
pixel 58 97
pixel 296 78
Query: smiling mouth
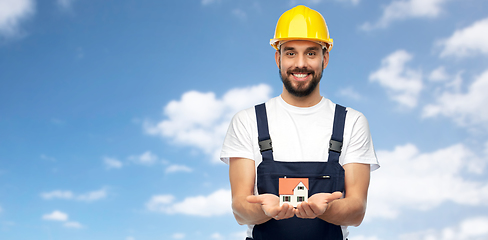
pixel 300 75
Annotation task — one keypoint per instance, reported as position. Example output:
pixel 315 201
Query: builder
pixel 300 135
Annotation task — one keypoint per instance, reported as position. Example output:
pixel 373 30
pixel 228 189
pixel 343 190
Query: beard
pixel 302 89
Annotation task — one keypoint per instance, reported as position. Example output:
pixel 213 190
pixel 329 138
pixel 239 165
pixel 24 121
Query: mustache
pixel 300 70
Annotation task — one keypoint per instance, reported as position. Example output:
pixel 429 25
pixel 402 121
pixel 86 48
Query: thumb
pixel 334 196
pixel 254 199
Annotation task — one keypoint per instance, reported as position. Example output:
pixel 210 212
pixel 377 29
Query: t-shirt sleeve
pixel 361 148
pixel 238 140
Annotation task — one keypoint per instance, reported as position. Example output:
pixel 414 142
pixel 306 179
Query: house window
pixel 286 199
pixel 300 199
pixel 301 188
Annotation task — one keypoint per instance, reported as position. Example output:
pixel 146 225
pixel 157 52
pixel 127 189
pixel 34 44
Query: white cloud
pixel 178 236
pixel 354 2
pixel 455 83
pixel 305 2
pixel 209 2
pixel 56 216
pixel 486 149
pixel 57 194
pixel 361 237
pixel 61 217
pixel 201 120
pixel 12 13
pixel 178 168
pixel 65 4
pixel 130 238
pixel 315 2
pixel 240 14
pixel 112 163
pixel 466 109
pixel 439 75
pixel 159 200
pixel 147 158
pixel 402 84
pixel 72 225
pixel 92 196
pixel 438 174
pixel 350 92
pixel 238 235
pixel 216 236
pixel 232 236
pixel 405 9
pixel 469 229
pixel 215 204
pixel 45 157
pixel 68 195
pixel 470 41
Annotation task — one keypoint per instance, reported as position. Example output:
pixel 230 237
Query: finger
pixel 271 212
pixel 304 210
pixel 317 209
pixel 276 213
pixel 297 211
pixel 301 211
pixel 286 212
pixel 290 212
pixel 308 211
pixel 282 212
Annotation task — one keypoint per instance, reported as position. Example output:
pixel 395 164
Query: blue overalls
pixel 324 177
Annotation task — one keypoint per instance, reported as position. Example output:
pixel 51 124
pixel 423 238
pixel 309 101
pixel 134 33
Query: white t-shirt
pixel 299 134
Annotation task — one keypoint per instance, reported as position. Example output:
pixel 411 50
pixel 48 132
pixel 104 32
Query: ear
pixel 326 59
pixel 277 58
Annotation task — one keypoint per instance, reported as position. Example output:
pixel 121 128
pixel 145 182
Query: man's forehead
pixel 293 44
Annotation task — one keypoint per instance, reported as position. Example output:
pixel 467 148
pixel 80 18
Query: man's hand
pixel 316 205
pixel 271 206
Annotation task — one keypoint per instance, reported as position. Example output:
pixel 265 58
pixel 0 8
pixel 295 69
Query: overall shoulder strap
pixel 264 139
pixel 335 144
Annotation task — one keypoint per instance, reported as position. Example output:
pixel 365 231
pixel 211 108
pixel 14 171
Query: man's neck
pixel 307 101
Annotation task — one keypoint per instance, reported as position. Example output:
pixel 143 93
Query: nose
pixel 301 61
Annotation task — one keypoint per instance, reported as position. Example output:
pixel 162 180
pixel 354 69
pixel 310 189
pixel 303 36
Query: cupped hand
pixel 316 205
pixel 270 204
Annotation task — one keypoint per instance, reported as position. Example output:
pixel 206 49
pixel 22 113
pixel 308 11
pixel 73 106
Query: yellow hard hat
pixel 301 23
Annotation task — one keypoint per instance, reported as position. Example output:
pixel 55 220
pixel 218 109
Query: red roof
pixel 287 185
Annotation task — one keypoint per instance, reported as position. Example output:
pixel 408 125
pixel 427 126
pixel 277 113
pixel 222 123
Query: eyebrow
pixel 288 48
pixel 308 49
pixel 313 48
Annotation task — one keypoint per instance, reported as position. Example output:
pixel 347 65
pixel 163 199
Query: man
pixel 303 136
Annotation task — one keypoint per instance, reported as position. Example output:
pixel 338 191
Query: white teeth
pixel 300 75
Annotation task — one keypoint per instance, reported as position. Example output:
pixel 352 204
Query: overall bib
pixel 323 177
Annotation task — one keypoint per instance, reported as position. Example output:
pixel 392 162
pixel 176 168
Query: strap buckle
pixel 265 145
pixel 335 146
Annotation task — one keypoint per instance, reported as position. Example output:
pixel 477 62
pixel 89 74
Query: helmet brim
pixel 327 43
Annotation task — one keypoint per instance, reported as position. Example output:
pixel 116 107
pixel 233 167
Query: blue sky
pixel 112 113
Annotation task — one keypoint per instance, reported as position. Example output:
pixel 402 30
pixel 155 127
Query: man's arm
pixel 348 211
pixel 247 208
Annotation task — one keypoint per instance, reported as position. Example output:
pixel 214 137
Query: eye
pixel 291 54
pixel 311 54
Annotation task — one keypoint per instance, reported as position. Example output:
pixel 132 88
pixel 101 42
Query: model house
pixel 293 190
